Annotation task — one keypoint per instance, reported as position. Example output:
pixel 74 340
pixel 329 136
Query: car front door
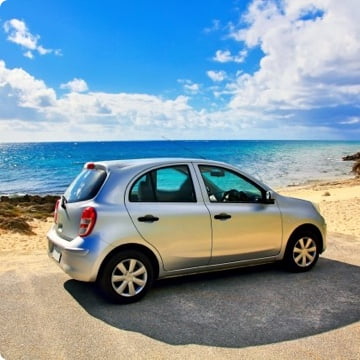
pixel 166 207
pixel 245 227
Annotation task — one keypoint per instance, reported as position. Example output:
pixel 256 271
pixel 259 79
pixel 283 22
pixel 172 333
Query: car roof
pixel 142 164
pixel 118 164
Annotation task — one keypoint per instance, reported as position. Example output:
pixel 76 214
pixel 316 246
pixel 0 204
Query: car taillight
pixel 56 211
pixel 87 221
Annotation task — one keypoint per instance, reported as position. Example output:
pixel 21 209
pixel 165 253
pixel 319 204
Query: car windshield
pixel 86 185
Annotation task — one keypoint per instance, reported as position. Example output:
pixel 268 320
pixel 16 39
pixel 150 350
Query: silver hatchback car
pixel 126 223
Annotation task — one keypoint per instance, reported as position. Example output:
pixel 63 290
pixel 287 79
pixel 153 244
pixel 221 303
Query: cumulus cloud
pixel 125 110
pixel 225 56
pixel 28 92
pixel 307 85
pixel 193 88
pixel 216 76
pixel 19 34
pixel 311 54
pixel 189 86
pixel 75 85
pixel 26 101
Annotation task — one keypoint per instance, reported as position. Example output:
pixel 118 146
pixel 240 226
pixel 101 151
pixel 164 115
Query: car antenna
pixel 183 147
pixel 258 174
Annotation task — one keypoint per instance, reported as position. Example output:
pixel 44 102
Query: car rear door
pixel 166 206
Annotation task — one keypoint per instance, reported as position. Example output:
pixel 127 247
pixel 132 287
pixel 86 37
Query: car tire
pixel 302 251
pixel 126 277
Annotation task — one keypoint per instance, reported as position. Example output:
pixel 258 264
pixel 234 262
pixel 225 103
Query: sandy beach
pixel 339 202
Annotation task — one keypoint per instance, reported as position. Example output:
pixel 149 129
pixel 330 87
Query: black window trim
pixel 244 177
pixel 152 183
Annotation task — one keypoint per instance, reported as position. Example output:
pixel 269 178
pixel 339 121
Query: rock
pixel 356 168
pixel 352 157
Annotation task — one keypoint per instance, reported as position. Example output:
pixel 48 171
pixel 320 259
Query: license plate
pixel 56 254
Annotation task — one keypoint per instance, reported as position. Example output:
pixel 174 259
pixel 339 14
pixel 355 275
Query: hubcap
pixel 304 252
pixel 129 277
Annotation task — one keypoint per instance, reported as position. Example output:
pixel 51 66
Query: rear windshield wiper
pixel 63 202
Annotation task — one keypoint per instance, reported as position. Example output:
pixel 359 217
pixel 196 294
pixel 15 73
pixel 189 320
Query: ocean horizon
pixel 48 167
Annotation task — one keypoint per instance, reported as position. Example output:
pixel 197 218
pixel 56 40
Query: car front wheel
pixel 126 277
pixel 302 251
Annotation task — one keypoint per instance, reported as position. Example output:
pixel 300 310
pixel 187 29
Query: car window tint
pixel 223 185
pixel 169 184
pixel 86 185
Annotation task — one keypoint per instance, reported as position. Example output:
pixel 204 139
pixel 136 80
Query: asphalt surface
pixel 260 312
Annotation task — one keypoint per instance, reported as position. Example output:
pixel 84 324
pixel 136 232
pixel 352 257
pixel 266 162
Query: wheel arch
pixel 311 228
pixel 137 247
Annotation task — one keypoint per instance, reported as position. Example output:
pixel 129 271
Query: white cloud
pixel 29 54
pixel 311 54
pixel 2 1
pixel 307 86
pixel 353 120
pixel 27 103
pixel 216 76
pixel 224 56
pixel 75 85
pixel 24 90
pixel 189 86
pixel 19 34
pixel 120 111
pixel 193 88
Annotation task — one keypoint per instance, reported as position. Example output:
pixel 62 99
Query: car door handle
pixel 222 216
pixel 148 218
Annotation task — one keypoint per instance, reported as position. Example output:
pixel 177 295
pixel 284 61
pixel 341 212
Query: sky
pixel 89 70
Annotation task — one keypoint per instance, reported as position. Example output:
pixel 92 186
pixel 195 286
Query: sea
pixel 49 167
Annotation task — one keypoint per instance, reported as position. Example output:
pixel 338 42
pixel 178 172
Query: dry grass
pixel 17 212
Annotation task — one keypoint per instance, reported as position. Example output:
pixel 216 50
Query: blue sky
pixel 114 70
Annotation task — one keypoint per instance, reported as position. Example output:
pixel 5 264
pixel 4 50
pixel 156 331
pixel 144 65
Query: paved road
pixel 247 313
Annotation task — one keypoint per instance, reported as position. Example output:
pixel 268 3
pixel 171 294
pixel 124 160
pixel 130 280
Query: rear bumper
pixel 77 258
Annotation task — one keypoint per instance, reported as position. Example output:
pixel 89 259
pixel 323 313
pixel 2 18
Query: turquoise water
pixel 48 168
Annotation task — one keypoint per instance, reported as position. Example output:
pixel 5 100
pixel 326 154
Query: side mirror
pixel 269 198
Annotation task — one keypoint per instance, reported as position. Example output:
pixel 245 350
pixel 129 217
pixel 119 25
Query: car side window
pixel 223 185
pixel 168 184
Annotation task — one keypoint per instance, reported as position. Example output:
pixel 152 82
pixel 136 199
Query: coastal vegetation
pixel 16 212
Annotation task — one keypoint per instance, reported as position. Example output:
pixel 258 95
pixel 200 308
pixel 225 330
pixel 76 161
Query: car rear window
pixel 86 185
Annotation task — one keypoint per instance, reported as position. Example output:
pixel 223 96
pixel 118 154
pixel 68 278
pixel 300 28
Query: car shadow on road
pixel 237 308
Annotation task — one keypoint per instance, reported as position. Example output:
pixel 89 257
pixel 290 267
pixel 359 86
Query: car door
pixel 167 209
pixel 244 226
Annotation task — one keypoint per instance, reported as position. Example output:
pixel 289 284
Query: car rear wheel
pixel 302 251
pixel 126 277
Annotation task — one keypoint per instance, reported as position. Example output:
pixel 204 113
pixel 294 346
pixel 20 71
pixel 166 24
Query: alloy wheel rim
pixel 304 252
pixel 129 277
